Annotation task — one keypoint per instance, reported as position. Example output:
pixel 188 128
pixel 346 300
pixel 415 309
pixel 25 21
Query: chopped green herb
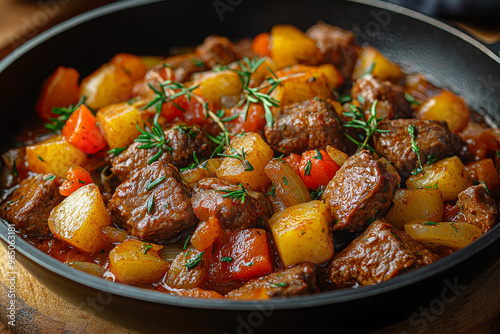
pixel 410 98
pixel 316 194
pixel 194 262
pixel 344 99
pixel 154 138
pixel 416 149
pixel 242 157
pixel 132 100
pixel 272 192
pixel 307 170
pixel 41 159
pixel 197 62
pixel 430 223
pixel 14 170
pixel 151 203
pixel 64 113
pixel 285 180
pixel 431 159
pixel 227 259
pixel 279 285
pixel 318 155
pixel 156 182
pixel 498 154
pixel 235 194
pixel 117 150
pixel 248 264
pixel 145 247
pixel 454 227
pixel 369 70
pixel 81 181
pixel 486 188
pixel 186 242
pixel 49 178
pixel 280 158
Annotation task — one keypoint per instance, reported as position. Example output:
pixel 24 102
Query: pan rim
pixel 305 301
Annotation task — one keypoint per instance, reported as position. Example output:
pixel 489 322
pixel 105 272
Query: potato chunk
pixel 445 107
pixel 448 175
pixel 134 261
pixel 79 218
pixel 55 155
pixel 410 204
pixel 301 233
pixel 216 85
pixel 250 170
pixel 290 46
pixel 383 68
pixel 119 124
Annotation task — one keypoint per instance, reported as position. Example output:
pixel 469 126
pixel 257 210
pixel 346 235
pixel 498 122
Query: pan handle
pixel 490 39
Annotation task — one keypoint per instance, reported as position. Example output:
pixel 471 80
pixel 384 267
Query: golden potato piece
pixel 411 204
pixel 248 171
pixel 134 261
pixel 381 67
pixel 302 233
pixel 448 175
pixel 451 234
pixel 79 218
pixel 290 46
pixel 446 107
pixel 55 155
pixel 119 124
pixel 216 85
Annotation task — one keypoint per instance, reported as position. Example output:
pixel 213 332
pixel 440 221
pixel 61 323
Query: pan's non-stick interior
pixel 150 27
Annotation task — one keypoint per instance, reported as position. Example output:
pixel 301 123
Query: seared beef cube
pixel 391 101
pixel 184 66
pixel 337 46
pixel 305 126
pixel 377 255
pixel 29 206
pixel 182 141
pixel 216 50
pixel 155 214
pixel 361 190
pixel 432 137
pixel 243 49
pixel 298 280
pixel 476 204
pixel 211 200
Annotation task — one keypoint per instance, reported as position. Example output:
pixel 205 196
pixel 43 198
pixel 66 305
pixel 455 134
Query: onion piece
pixel 88 267
pixel 451 234
pixel 191 176
pixel 288 185
pixel 113 235
pixel 337 155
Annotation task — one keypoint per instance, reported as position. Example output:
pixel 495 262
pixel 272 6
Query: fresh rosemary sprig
pixel 196 163
pixel 240 156
pixel 56 124
pixel 255 94
pixel 168 91
pixel 410 98
pixel 369 126
pixel 153 138
pixel 416 150
pixel 117 150
pixel 194 262
pixel 235 194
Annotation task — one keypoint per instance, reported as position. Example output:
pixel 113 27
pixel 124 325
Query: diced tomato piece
pixel 451 213
pixel 245 255
pixel 132 65
pixel 260 44
pixel 60 90
pixel 190 111
pixel 317 168
pixel 76 178
pixel 294 161
pixel 256 119
pixel 82 131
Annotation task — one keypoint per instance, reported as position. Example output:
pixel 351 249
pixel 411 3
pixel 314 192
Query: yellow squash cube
pixel 79 218
pixel 302 233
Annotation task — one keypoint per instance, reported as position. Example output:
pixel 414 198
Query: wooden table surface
pixel 476 310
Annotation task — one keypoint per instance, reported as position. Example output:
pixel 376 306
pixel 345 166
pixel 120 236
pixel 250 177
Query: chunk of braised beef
pixel 478 207
pixel 216 50
pixel 391 101
pixel 337 46
pixel 153 204
pixel 305 126
pixel 210 200
pixel 361 191
pixel 182 142
pixel 29 206
pixel 377 255
pixel 433 138
pixel 184 66
pixel 298 280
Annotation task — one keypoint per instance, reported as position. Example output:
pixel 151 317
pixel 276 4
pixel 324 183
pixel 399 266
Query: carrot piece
pixel 59 90
pixel 132 65
pixel 260 44
pixel 81 131
pixel 76 178
pixel 205 234
pixel 256 119
pixel 317 168
pixel 294 161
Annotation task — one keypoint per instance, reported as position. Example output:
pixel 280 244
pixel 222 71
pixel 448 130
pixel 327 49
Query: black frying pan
pixel 448 57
